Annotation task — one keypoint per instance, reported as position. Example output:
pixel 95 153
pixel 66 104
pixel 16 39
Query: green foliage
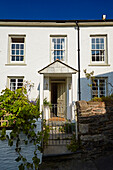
pixel 74 145
pixel 96 99
pixel 46 103
pixel 45 133
pixel 21 115
pixel 68 128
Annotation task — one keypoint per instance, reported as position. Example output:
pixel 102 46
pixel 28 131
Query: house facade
pixel 53 54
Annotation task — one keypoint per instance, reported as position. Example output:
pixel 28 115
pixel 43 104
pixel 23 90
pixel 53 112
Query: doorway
pixel 58 98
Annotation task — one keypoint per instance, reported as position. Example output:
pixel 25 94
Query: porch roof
pixel 57 67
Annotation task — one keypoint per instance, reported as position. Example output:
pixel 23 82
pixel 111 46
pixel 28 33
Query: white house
pixel 53 55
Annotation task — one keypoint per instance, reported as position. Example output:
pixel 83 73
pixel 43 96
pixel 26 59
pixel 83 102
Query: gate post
pixel 74 118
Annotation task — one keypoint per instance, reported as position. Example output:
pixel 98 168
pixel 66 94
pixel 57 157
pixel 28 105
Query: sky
pixel 56 9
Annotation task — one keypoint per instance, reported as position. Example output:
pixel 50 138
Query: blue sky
pixel 55 9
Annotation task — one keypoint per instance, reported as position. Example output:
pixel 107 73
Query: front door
pixel 61 99
pixel 58 99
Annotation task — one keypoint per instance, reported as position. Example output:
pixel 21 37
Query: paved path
pixel 76 162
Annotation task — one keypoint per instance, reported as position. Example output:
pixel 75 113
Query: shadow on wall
pixel 86 90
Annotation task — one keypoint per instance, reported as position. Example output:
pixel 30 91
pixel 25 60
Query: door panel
pixel 61 95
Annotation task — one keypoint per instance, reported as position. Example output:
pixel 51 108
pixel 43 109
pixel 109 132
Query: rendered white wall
pixel 85 55
pixel 37 53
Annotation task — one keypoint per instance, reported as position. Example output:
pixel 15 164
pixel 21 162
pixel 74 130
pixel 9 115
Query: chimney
pixel 103 17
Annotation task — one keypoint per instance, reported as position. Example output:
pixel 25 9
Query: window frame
pixel 17 78
pixel 105 62
pixel 65 50
pixel 10 49
pixel 106 86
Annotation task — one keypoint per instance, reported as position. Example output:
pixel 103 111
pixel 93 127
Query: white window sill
pixel 99 64
pixel 15 64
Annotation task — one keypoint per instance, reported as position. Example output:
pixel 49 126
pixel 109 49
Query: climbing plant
pixel 22 115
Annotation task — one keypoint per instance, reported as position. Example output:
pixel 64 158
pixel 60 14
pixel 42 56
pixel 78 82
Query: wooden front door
pixel 61 97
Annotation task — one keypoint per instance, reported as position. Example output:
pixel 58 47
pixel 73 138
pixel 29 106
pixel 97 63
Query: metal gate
pixel 61 129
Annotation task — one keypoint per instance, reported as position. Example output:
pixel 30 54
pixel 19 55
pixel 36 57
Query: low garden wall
pixel 95 126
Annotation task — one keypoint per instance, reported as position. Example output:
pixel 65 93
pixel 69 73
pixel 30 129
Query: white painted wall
pixel 85 54
pixel 37 52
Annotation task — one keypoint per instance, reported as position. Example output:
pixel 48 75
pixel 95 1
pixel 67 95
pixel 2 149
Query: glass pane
pixel 97 46
pixel 97 40
pixel 21 46
pixel 97 52
pixel 58 40
pixel 58 52
pixel 101 40
pixel 97 58
pixel 13 58
pixel 93 52
pixel 20 80
pixel 13 46
pixel 13 51
pixel 54 40
pixel 55 58
pixel 12 80
pixel 17 46
pixel 58 46
pixel 55 46
pixel 93 46
pixel 17 58
pixel 93 58
pixel 17 52
pixel 19 84
pixel 55 52
pixel 21 52
pixel 58 57
pixel 93 40
pixel 21 58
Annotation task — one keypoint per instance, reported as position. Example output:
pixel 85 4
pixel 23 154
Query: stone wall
pixel 95 124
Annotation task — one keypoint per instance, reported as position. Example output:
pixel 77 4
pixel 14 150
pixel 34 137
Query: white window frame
pixel 99 61
pixel 52 49
pixel 16 82
pixel 98 87
pixel 10 50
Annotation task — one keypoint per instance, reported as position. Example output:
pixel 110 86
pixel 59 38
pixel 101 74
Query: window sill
pixel 99 65
pixel 15 64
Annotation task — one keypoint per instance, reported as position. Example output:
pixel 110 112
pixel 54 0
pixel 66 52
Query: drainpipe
pixel 79 91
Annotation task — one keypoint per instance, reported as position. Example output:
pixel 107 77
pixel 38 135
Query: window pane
pixel 97 46
pixel 93 40
pixel 58 46
pixel 22 52
pixel 17 52
pixel 102 40
pixel 17 58
pixel 13 52
pixel 13 58
pixel 93 46
pixel 97 40
pixel 17 46
pixel 54 40
pixel 58 40
pixel 21 46
pixel 21 58
pixel 13 46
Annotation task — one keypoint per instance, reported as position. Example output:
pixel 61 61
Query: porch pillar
pixel 41 91
pixel 73 95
